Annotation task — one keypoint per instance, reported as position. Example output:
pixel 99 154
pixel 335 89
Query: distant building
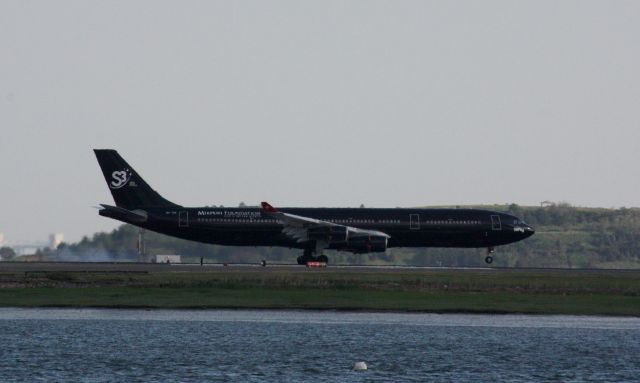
pixel 24 247
pixel 32 258
pixel 27 249
pixel 55 239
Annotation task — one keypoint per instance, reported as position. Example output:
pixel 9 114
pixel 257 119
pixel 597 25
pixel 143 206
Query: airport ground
pixel 412 289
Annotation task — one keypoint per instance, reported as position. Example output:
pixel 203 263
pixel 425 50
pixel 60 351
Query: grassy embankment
pixel 493 291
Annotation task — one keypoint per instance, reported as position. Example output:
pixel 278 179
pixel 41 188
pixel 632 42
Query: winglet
pixel 268 208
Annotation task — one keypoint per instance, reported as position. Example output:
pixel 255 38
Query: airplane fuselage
pixel 468 228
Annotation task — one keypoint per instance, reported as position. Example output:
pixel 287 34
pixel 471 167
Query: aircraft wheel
pixel 488 260
pixel 323 258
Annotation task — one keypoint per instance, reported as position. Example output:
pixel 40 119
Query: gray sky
pixel 323 103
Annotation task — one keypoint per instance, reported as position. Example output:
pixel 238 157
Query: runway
pixel 136 267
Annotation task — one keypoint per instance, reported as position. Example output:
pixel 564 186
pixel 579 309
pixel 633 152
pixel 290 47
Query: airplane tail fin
pixel 128 189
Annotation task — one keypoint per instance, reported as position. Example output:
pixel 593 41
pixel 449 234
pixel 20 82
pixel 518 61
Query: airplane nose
pixel 529 231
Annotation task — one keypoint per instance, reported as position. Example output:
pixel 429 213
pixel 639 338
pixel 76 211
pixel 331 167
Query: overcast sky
pixel 316 103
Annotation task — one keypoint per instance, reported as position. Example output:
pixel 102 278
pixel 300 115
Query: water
pixel 257 346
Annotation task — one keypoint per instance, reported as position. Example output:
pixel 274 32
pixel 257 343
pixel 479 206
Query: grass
pixel 494 291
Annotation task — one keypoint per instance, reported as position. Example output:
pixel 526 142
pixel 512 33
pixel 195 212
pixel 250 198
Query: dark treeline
pixel 565 236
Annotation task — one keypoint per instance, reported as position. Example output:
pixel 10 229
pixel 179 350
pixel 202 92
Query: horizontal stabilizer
pixel 124 214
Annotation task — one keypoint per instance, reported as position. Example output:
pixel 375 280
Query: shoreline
pixel 317 310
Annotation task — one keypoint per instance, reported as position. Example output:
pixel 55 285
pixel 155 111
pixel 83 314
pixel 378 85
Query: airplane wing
pixel 305 228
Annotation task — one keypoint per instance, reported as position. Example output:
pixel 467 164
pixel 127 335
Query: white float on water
pixel 360 366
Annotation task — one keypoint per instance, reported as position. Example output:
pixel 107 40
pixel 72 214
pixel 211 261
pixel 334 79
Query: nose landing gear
pixel 489 259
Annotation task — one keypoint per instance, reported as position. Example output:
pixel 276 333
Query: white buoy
pixel 360 366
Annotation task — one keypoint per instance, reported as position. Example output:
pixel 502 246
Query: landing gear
pixel 308 256
pixel 489 259
pixel 305 257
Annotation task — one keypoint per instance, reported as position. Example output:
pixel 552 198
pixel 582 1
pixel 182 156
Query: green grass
pixel 495 291
pixel 321 299
pixel 423 280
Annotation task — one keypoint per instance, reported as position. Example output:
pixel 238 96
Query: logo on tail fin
pixel 120 178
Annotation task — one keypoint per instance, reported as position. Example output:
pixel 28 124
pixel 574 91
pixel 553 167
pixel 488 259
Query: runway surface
pixel 134 267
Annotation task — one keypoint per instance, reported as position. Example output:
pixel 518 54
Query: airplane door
pixel 414 221
pixel 495 222
pixel 183 219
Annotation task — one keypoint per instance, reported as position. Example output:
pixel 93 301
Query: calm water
pixel 193 346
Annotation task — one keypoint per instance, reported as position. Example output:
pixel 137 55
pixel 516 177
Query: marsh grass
pixel 494 291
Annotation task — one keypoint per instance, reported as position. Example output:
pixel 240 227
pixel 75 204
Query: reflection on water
pixel 222 345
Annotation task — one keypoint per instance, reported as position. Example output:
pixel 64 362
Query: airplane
pixel 357 230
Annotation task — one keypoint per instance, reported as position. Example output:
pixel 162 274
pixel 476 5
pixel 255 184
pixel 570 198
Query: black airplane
pixel 357 230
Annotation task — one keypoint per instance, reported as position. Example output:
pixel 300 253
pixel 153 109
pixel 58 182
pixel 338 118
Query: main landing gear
pixel 489 259
pixel 308 256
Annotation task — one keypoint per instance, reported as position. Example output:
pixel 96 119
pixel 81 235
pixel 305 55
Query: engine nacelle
pixel 367 244
pixel 330 234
